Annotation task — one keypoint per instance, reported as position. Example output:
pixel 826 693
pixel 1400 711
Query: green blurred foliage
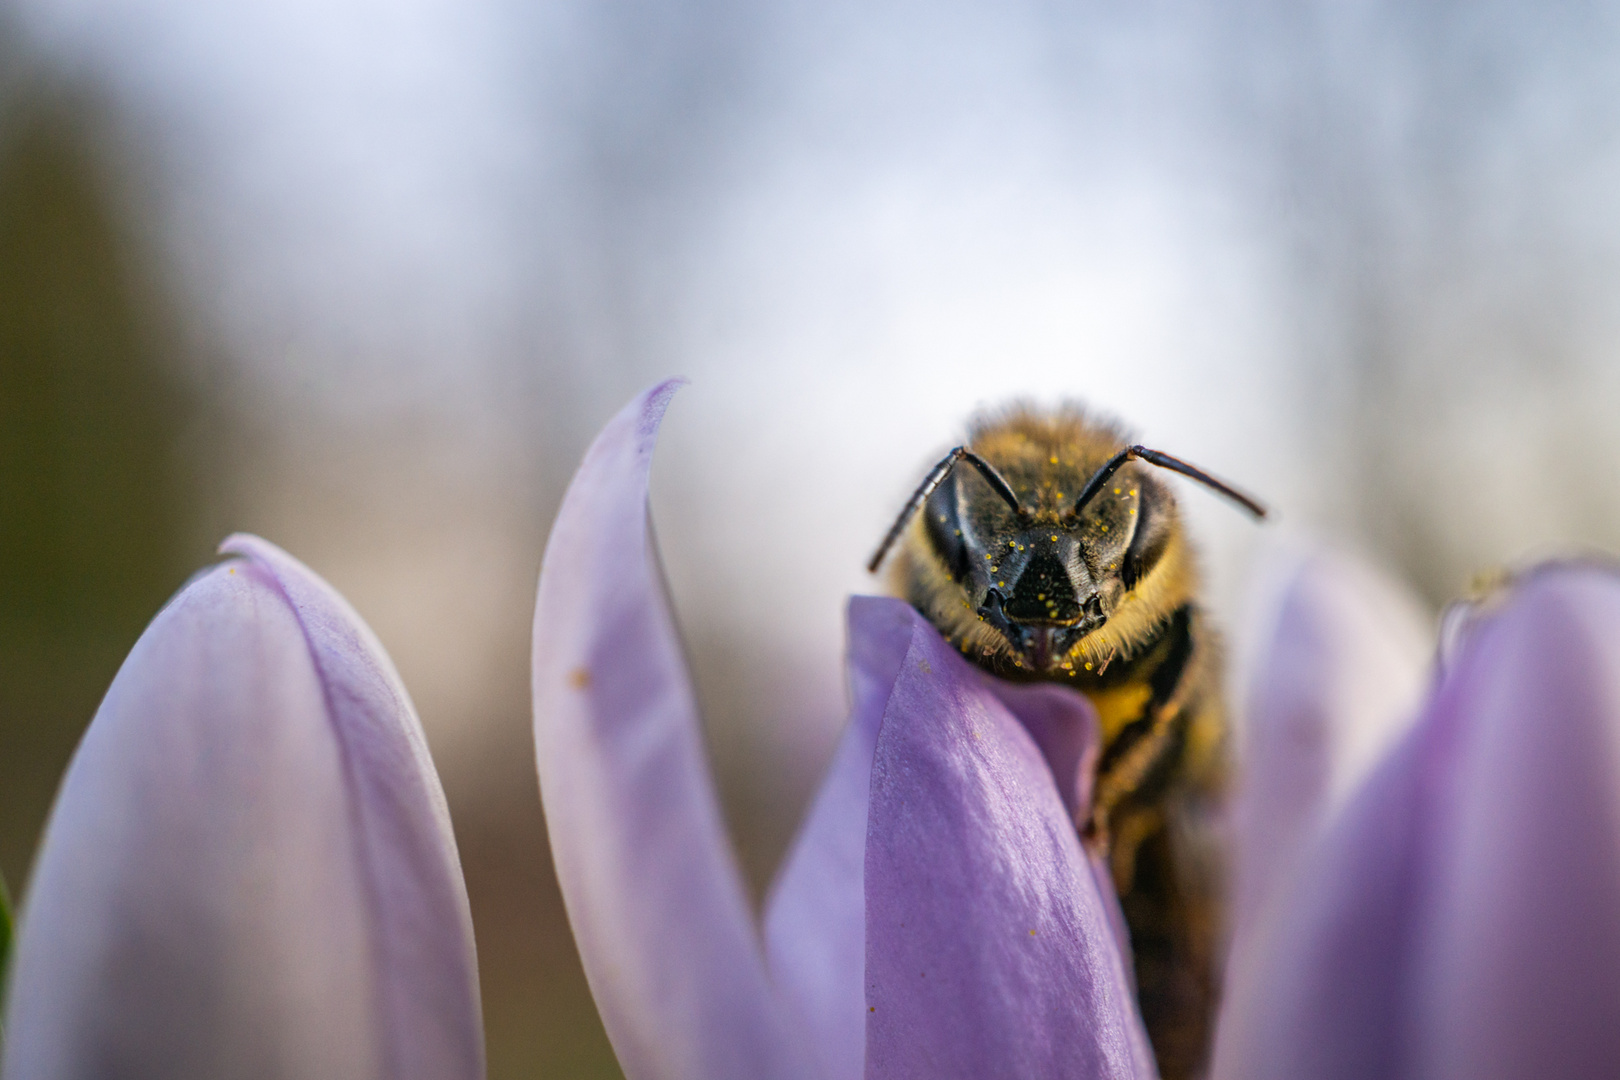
pixel 93 502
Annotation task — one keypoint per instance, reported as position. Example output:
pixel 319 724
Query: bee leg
pixel 1132 829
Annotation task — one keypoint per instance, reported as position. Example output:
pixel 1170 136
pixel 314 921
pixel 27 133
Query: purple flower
pixel 1422 889
pixel 249 870
pixel 1457 914
pixel 936 917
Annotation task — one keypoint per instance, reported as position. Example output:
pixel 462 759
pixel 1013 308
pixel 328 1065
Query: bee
pixel 1058 557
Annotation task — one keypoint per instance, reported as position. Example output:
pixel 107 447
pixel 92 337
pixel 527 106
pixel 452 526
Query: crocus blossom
pixel 1459 915
pixel 1425 887
pixel 937 916
pixel 249 869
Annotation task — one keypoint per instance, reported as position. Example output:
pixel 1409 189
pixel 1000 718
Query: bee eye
pixel 945 531
pixel 1152 536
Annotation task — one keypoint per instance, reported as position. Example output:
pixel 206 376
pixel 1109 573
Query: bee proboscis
pixel 1055 557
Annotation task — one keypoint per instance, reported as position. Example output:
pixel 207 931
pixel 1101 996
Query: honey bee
pixel 1056 557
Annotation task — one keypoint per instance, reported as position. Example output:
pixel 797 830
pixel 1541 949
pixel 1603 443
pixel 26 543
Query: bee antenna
pixel 1163 461
pixel 935 477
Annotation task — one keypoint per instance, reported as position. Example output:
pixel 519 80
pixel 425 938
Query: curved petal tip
pixel 653 403
pixel 249 868
pixel 652 889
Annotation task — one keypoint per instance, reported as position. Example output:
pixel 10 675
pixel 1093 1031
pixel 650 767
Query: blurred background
pixel 366 277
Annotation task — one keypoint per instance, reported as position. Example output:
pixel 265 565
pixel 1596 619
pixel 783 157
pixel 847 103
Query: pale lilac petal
pixel 1460 918
pixel 815 916
pixel 989 948
pixel 1518 941
pixel 218 893
pixel 652 888
pixel 1065 728
pixel 1338 668
pixel 1318 992
pixel 422 929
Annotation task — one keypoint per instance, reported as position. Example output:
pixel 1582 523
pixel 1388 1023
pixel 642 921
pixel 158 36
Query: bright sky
pixel 1353 259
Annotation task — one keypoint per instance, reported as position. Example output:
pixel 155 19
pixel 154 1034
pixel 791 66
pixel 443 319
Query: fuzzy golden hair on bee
pixel 1049 547
pixel 1053 555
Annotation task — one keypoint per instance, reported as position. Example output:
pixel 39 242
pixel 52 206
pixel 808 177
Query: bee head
pixel 1044 573
pixel 1045 584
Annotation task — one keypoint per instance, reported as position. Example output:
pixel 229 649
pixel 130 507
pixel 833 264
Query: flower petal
pixel 1459 920
pixel 1518 962
pixel 651 886
pixel 221 891
pixel 815 916
pixel 1065 729
pixel 989 949
pixel 1317 994
pixel 422 924
pixel 1341 665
